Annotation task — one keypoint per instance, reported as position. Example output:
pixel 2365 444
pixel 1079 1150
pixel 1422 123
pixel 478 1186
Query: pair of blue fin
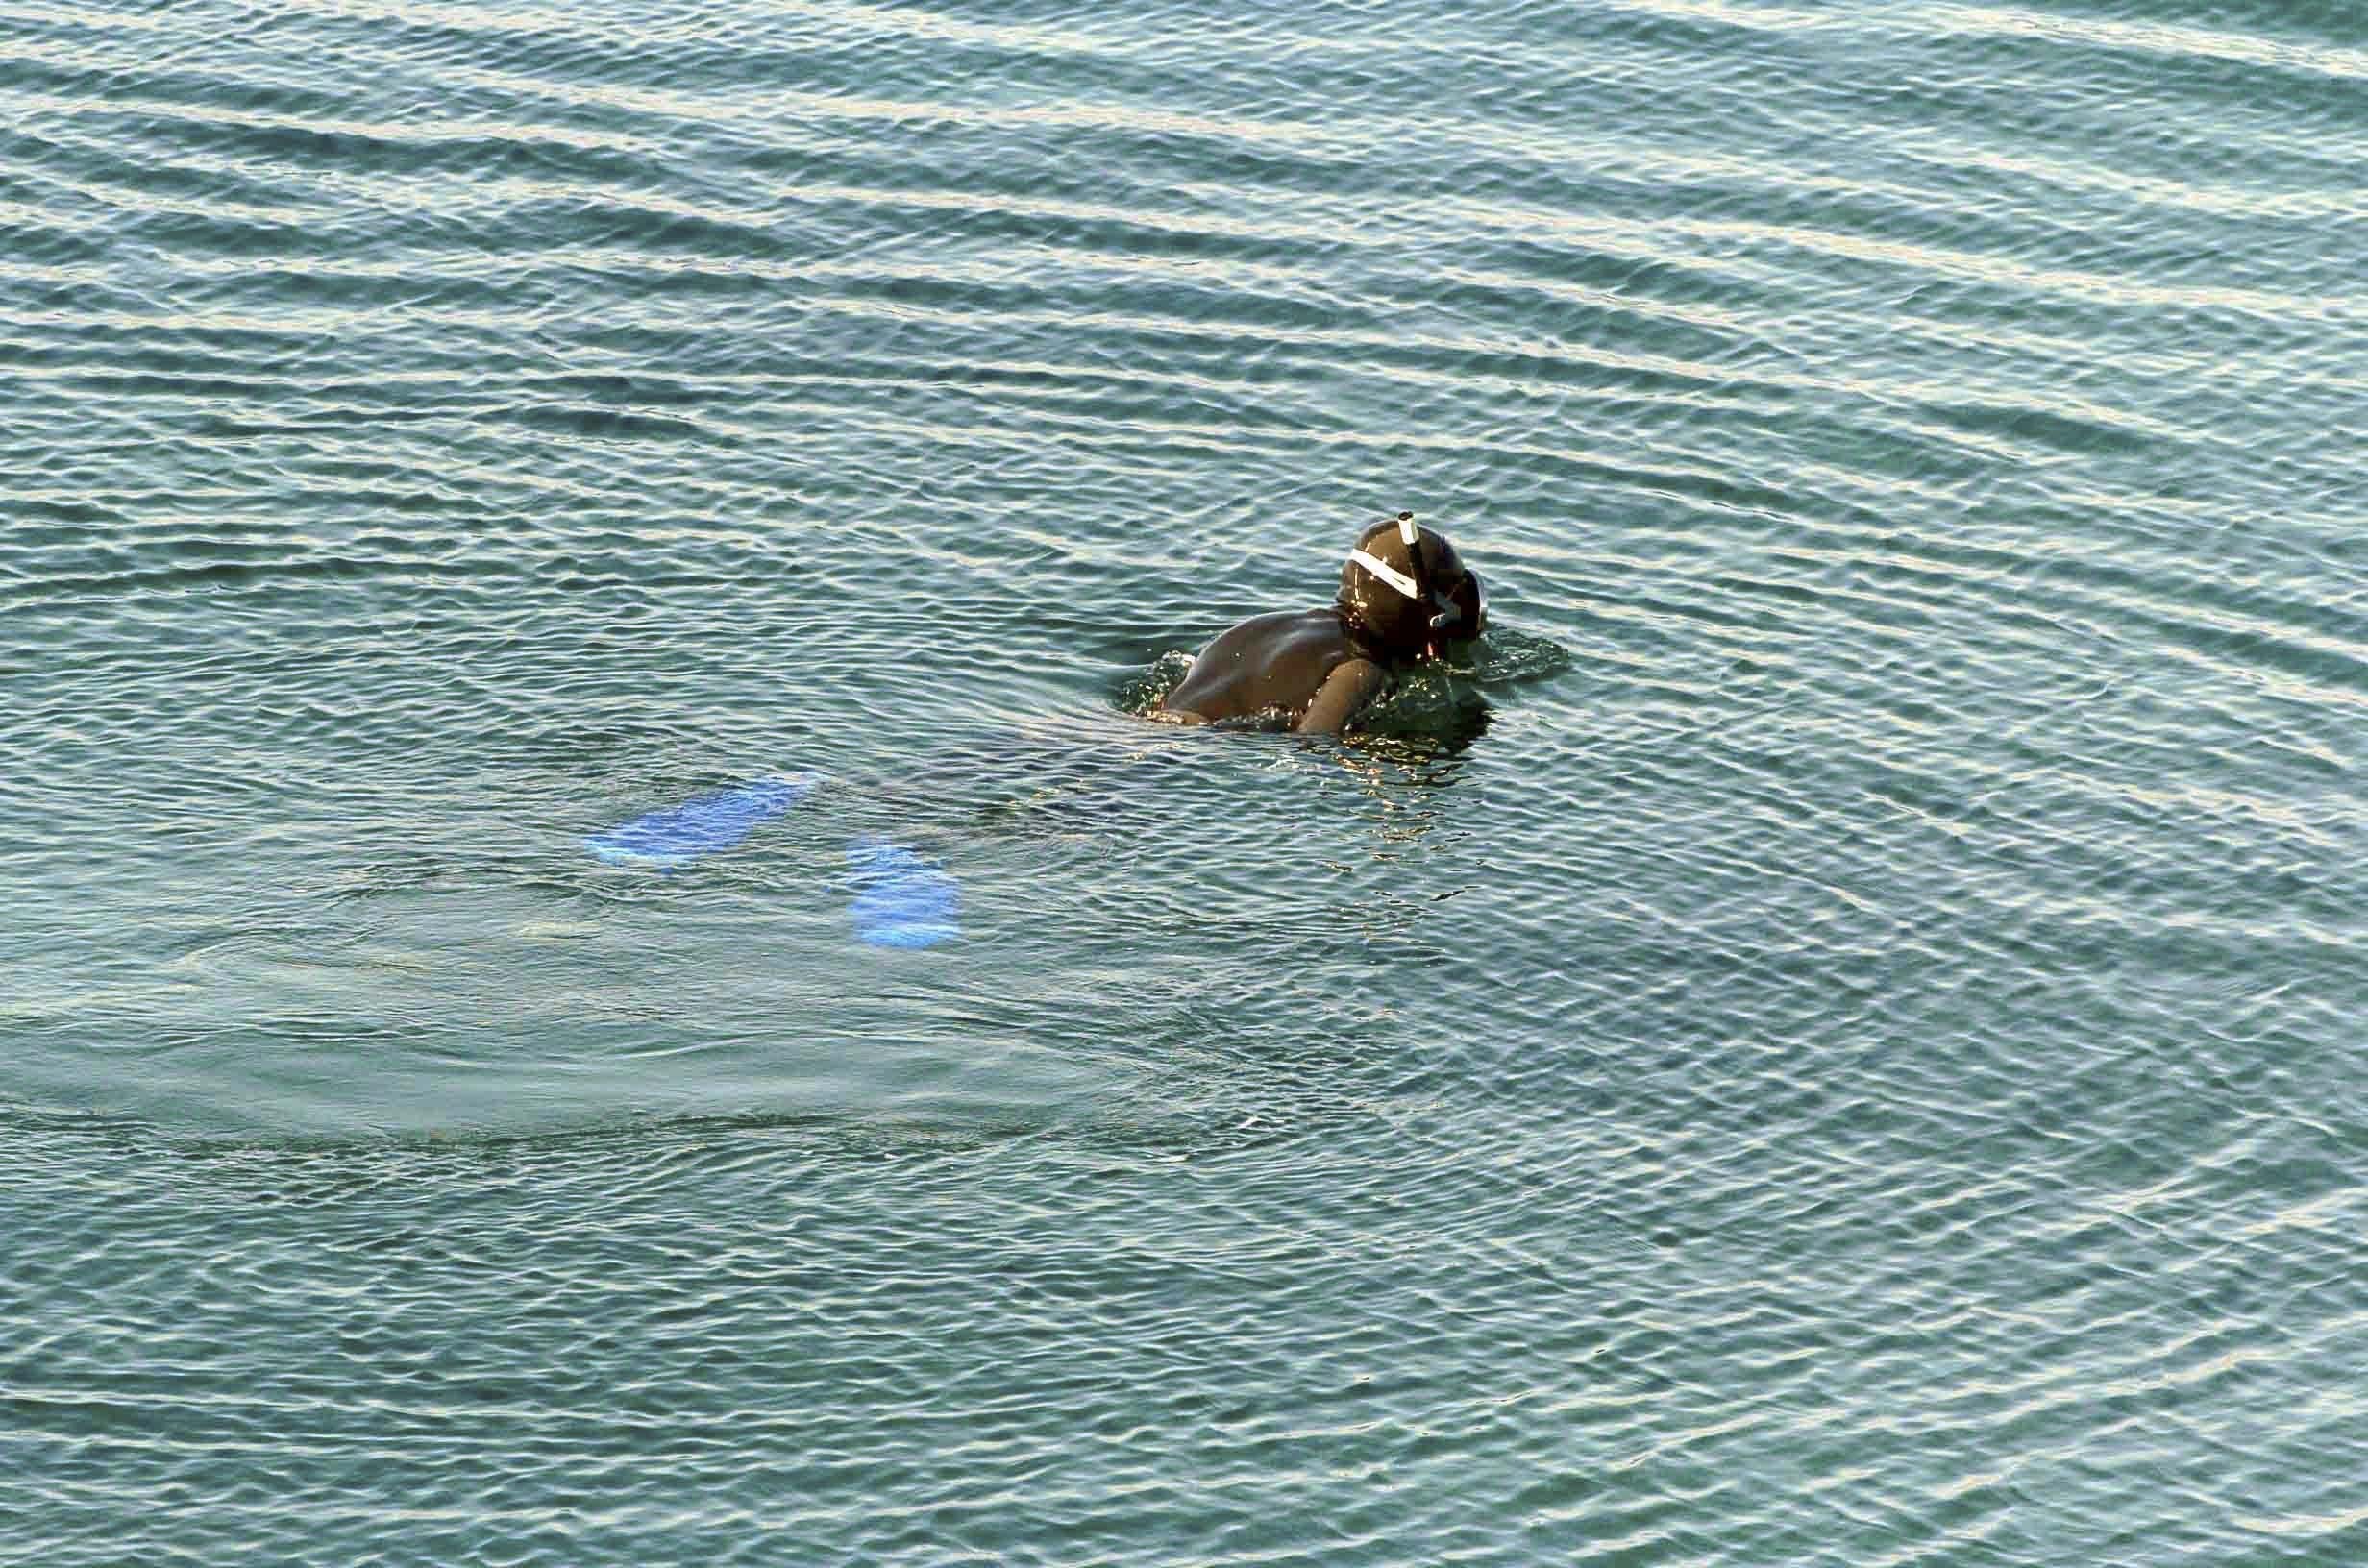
pixel 900 899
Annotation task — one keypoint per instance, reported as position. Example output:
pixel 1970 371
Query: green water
pixel 1831 1037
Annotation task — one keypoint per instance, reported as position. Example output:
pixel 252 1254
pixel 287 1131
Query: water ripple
pixel 1823 1040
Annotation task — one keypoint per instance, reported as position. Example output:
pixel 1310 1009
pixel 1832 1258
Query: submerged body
pixel 1304 667
pixel 1403 594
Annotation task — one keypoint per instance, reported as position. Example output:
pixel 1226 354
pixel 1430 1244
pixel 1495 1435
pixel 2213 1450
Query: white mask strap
pixel 1387 572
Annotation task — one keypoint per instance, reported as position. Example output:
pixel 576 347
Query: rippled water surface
pixel 1833 1037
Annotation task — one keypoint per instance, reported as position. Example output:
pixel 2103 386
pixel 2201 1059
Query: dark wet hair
pixel 1405 595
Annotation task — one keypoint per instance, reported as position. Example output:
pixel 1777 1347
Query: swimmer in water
pixel 1403 596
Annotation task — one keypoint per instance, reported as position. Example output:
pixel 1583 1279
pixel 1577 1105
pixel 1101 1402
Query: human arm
pixel 1351 684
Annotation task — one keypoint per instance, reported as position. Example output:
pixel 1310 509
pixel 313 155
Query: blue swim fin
pixel 900 899
pixel 681 834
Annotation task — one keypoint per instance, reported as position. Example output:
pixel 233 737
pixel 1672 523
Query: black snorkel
pixel 1413 537
pixel 1449 615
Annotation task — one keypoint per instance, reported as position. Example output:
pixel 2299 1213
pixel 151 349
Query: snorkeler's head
pixel 1404 589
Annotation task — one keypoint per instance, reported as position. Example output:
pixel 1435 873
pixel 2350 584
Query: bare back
pixel 1299 665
